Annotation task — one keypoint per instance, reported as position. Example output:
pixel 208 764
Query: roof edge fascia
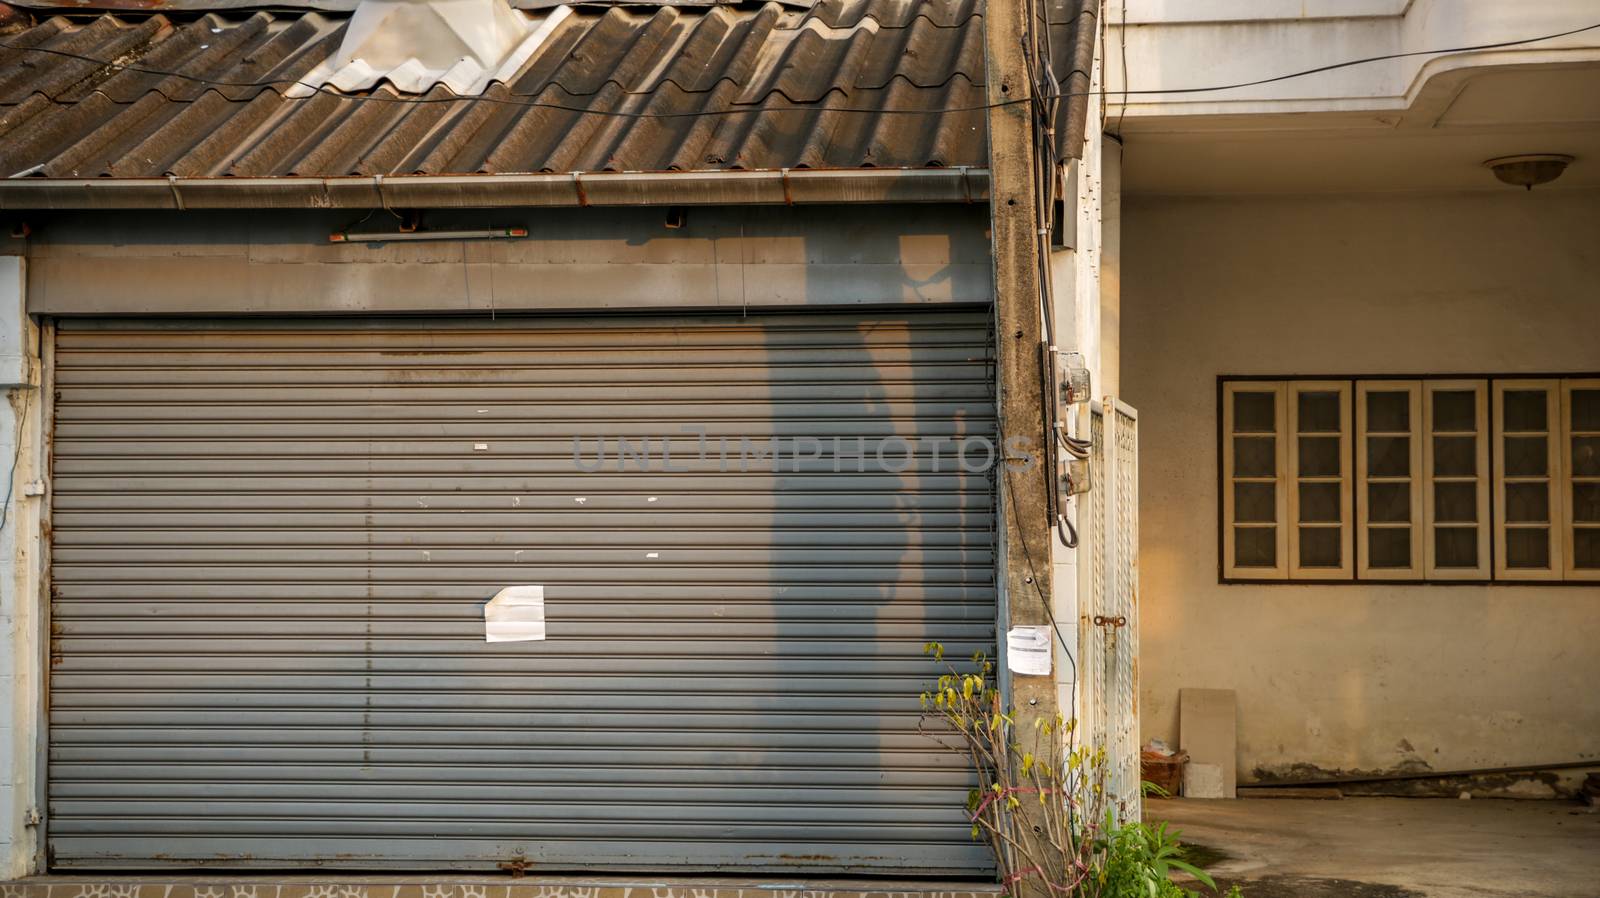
pixel 778 187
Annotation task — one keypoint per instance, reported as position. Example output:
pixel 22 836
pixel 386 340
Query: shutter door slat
pixel 273 541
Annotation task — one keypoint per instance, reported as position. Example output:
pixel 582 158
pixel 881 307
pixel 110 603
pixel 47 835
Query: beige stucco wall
pixel 1349 677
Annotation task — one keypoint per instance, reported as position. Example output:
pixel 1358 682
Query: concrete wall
pixel 1176 44
pixel 1352 677
pixel 20 560
pixel 572 259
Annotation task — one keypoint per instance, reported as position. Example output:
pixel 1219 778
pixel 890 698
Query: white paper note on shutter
pixel 515 614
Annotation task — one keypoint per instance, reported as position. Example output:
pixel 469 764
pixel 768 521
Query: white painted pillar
pixel 1076 280
pixel 21 563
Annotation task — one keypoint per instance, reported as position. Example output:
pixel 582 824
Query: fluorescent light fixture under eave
pixel 396 236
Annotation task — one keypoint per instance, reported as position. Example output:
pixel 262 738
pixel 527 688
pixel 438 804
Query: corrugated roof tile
pixel 845 84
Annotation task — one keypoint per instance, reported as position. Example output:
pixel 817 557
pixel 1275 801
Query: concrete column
pixel 21 568
pixel 1026 572
pixel 1025 525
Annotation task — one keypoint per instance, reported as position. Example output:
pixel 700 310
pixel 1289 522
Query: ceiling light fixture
pixel 1529 169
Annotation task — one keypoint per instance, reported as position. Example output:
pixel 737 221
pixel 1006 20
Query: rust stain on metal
pixel 517 867
pixel 14 20
pixel 827 858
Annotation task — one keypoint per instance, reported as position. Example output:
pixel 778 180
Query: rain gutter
pixel 776 187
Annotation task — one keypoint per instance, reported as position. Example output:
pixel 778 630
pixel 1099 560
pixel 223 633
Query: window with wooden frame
pixel 1426 479
pixel 1319 476
pixel 1286 497
pixel 1255 542
pixel 1455 455
pixel 1422 476
pixel 1389 479
pixel 1527 479
pixel 1580 458
pixel 1389 476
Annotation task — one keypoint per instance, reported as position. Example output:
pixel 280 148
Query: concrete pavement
pixel 1394 847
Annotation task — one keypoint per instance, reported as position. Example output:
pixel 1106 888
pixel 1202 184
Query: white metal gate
pixel 1108 622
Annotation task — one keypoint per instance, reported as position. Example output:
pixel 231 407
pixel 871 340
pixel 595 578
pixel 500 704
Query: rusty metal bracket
pixel 1100 620
pixel 517 867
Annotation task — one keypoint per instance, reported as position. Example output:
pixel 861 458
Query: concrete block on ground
pixel 1208 731
pixel 1203 781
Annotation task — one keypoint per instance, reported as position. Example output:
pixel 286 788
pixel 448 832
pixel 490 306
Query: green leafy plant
pixel 1139 860
pixel 1041 802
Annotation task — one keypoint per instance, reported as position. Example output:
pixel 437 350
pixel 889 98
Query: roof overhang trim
pixel 574 189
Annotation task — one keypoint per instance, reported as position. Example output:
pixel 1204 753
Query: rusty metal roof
pixel 845 84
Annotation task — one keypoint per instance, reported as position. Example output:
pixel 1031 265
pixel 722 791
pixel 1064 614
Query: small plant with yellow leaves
pixel 1041 802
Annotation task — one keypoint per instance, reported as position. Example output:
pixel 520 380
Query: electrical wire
pixel 1362 61
pixel 1046 186
pixel 745 108
pixel 1066 531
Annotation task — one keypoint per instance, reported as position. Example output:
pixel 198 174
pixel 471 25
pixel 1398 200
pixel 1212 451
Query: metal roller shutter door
pixel 273 542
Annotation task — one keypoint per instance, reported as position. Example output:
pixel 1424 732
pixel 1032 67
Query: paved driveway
pixel 1394 847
